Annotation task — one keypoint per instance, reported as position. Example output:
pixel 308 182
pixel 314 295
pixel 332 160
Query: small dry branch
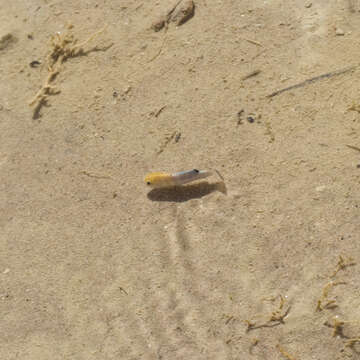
pixel 275 318
pixel 312 80
pixel 284 353
pixel 63 47
pixel 343 262
pixel 325 303
pixel 337 326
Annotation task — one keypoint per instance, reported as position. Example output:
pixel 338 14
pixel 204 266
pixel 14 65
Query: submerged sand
pixel 93 266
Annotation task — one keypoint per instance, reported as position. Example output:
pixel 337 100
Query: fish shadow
pixel 186 192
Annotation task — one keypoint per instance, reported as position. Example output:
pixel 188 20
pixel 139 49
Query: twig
pixel 123 290
pixel 250 75
pixel 93 36
pixel 159 111
pixel 312 80
pixel 343 263
pixel 330 303
pixel 84 172
pixel 351 342
pixel 353 147
pixel 170 12
pixel 252 42
pixel 338 327
pixel 284 353
pixel 276 317
pixel 159 51
pixel 62 47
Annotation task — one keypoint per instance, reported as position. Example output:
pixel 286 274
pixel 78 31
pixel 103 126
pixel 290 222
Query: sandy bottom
pixel 93 265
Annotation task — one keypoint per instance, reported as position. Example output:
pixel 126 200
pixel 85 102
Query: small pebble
pixel 308 5
pixel 6 271
pixel 339 32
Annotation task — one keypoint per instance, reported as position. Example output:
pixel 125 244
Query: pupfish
pixel 163 180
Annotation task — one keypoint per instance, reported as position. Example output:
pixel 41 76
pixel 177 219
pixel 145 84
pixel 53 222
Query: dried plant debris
pixel 62 47
pixel 251 74
pixel 168 138
pixel 343 262
pixel 337 326
pixel 350 343
pixel 179 14
pixel 86 173
pixel 324 302
pixel 159 111
pixel 279 314
pixel 275 318
pixel 314 79
pixel 353 147
pixel 354 107
pixel 284 353
pixel 269 132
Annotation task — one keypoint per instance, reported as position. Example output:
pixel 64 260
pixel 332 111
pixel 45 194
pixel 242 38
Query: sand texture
pixel 96 94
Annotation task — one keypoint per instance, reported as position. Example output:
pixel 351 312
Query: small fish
pixel 162 180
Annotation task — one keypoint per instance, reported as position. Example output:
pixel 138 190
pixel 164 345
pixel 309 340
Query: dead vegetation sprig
pixel 284 353
pixel 328 75
pixel 342 264
pixel 275 318
pixel 62 47
pixel 324 302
